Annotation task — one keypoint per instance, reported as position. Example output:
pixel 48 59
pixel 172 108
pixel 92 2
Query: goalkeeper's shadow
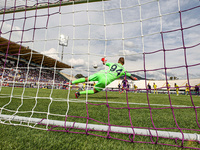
pixel 104 98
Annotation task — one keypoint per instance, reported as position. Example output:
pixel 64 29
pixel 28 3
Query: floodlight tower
pixel 63 41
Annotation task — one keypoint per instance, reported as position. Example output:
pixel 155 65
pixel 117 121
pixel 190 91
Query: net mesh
pixel 159 39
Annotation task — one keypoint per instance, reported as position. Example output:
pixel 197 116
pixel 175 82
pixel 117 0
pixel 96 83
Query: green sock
pixel 78 81
pixel 87 91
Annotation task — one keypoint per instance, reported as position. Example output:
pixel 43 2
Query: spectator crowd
pixel 13 72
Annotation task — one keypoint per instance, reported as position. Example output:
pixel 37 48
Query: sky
pixel 135 29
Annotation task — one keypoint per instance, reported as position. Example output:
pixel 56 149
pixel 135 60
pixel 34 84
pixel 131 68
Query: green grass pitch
pixel 19 137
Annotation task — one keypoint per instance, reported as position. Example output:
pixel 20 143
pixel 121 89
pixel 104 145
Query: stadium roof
pixel 13 49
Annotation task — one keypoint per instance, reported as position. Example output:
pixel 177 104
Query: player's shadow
pixel 109 97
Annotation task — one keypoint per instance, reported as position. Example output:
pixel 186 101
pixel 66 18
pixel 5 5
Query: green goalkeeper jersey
pixel 115 71
pixel 105 77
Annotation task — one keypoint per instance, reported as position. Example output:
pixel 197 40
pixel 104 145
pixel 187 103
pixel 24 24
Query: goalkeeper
pixel 104 77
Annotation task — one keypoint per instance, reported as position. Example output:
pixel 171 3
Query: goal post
pixel 104 128
pixel 45 5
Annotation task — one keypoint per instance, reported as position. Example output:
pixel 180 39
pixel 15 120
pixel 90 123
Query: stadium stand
pixel 19 64
pixel 69 77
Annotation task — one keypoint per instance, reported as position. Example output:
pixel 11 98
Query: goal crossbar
pixel 45 5
pixel 105 128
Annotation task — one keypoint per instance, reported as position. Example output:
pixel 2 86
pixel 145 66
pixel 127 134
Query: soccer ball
pixel 95 66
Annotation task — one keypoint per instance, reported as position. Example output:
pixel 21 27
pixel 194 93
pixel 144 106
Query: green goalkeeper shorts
pixel 101 78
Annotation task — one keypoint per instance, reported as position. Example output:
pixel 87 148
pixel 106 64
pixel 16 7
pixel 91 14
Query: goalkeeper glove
pixel 103 60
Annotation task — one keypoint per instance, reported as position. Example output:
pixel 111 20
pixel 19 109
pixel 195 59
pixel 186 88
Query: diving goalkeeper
pixel 104 77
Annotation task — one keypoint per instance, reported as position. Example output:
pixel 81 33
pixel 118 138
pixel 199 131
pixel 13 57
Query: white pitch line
pixel 83 101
